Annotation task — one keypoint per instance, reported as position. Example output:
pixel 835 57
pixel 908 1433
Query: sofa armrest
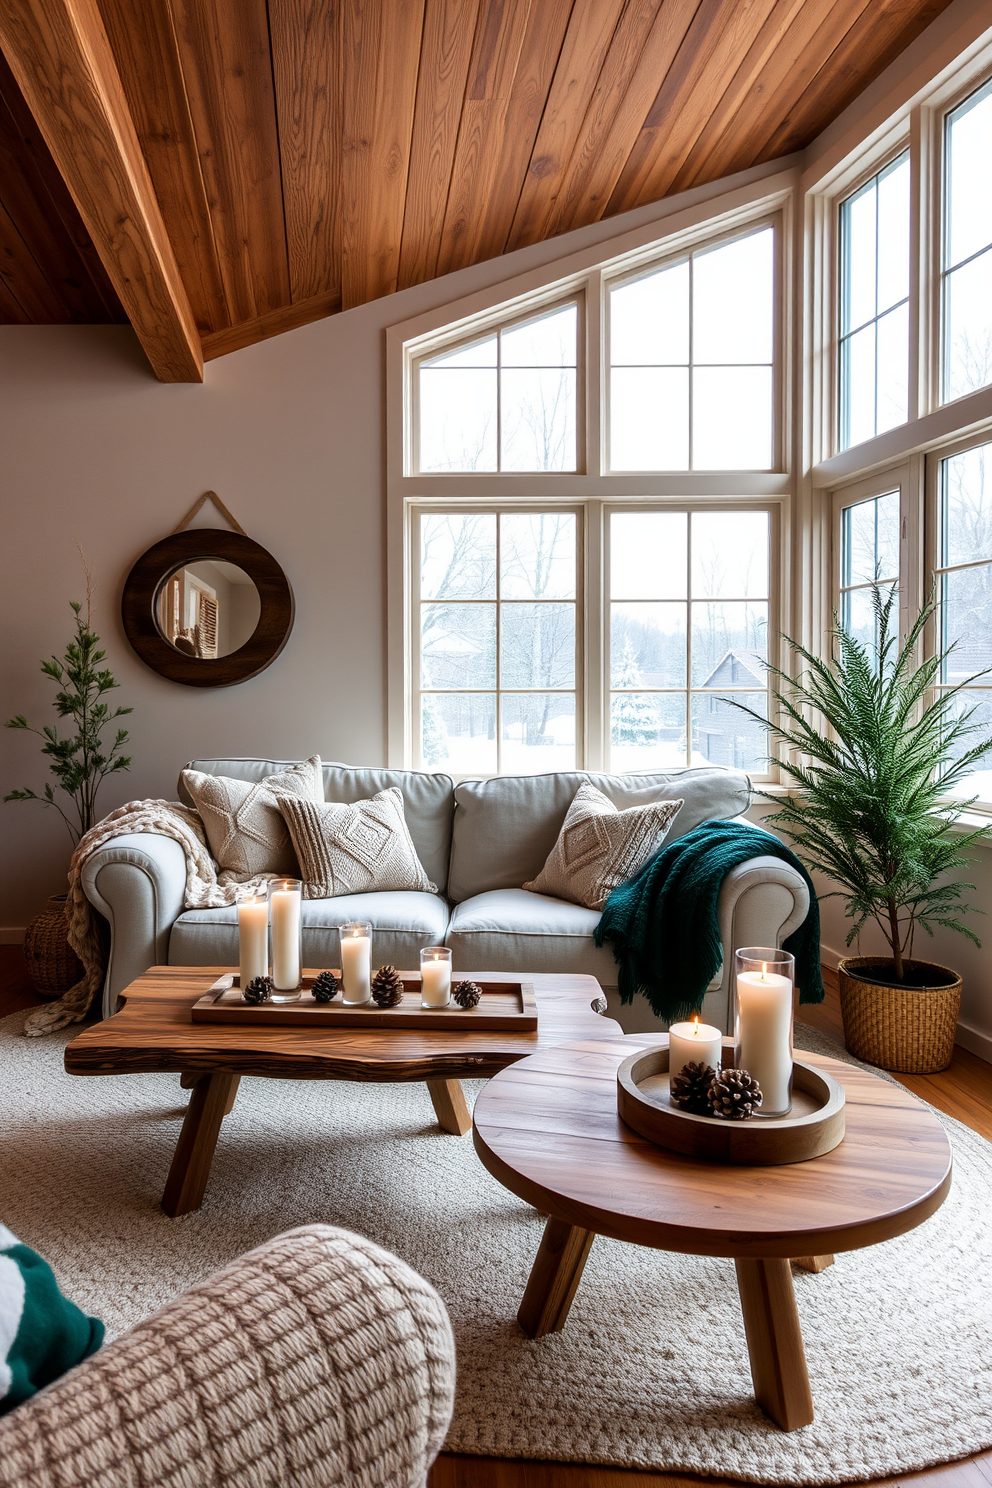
pixel 317 1359
pixel 138 883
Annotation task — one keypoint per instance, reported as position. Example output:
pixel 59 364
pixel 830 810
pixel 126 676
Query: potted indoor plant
pixel 872 751
pixel 80 761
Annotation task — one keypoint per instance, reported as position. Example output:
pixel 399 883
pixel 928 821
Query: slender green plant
pixel 871 808
pixel 79 759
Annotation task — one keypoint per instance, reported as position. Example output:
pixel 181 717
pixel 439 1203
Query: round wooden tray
pixel 815 1124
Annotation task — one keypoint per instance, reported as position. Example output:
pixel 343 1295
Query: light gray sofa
pixel 479 842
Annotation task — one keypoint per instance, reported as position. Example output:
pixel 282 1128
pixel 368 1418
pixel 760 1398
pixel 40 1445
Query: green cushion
pixel 42 1333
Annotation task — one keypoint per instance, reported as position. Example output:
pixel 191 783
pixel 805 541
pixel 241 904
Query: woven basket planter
pixel 53 965
pixel 908 1029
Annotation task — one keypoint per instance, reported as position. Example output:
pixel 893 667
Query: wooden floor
pixel 964 1090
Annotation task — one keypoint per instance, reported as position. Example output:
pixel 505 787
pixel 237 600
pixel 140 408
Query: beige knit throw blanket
pixel 205 889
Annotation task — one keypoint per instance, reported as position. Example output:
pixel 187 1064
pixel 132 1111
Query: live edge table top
pixel 152 1031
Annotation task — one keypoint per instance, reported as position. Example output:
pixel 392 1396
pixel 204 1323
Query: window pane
pixel 647 645
pixel 723 735
pixel 457 419
pixel 548 341
pixel 978 782
pixel 648 555
pixel 647 731
pixel 893 234
pixel 538 732
pixel 538 419
pixel 732 418
pixel 858 247
pixel 730 555
pixel 537 554
pixel 537 645
pixel 893 369
pixel 458 556
pixel 649 418
pixel 969 200
pixel 857 613
pixel 967 506
pixel 968 328
pixel 458 645
pixel 479 354
pixel 858 386
pixel 967 621
pixel 870 540
pixel 733 293
pixel 649 319
pixel 458 732
pixel 729 645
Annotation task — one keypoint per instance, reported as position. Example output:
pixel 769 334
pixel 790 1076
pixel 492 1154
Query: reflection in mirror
pixel 208 609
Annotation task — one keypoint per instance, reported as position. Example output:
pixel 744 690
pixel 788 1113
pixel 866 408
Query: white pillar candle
pixel 253 939
pixel 356 967
pixel 764 1023
pixel 695 1042
pixel 435 974
pixel 285 937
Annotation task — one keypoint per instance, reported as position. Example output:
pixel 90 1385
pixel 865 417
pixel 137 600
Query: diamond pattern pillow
pixel 600 847
pixel 354 849
pixel 241 818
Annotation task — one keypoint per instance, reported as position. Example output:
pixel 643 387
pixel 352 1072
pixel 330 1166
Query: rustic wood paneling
pixel 227 66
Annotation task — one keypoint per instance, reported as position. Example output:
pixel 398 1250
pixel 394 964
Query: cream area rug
pixel 651 1370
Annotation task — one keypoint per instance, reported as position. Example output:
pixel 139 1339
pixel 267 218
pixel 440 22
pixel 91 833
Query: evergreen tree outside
pixel 434 745
pixel 634 719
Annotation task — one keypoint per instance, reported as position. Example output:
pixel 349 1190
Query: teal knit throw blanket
pixel 663 927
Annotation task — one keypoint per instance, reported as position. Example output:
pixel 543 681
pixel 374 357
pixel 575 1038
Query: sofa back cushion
pixel 505 827
pixel 428 800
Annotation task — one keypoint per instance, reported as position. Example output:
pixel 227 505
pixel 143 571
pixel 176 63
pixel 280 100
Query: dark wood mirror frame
pixel 144 584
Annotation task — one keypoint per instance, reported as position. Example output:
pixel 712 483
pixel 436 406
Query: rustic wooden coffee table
pixel 152 1031
pixel 548 1129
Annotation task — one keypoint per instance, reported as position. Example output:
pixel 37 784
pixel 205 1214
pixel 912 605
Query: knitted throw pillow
pixel 244 827
pixel 355 849
pixel 600 847
pixel 42 1333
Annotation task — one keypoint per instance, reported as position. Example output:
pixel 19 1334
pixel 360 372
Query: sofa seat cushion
pixel 517 930
pixel 401 924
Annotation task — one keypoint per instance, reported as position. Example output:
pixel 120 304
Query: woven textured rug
pixel 651 1370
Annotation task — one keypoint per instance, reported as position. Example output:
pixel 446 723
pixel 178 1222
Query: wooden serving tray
pixel 815 1124
pixel 506 1006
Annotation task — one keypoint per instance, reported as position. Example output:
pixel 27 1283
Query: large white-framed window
pixel 966 261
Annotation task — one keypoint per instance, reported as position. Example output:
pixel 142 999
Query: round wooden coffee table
pixel 548 1129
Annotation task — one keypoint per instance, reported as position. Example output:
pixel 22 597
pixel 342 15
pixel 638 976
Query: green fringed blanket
pixel 663 927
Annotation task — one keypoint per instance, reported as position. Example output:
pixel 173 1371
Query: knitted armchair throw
pixel 316 1360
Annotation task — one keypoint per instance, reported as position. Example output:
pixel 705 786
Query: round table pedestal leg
pixel 775 1342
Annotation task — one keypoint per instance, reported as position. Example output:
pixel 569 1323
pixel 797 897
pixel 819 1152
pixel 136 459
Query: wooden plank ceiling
pixel 311 155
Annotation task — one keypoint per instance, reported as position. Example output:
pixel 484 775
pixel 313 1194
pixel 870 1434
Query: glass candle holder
pixel 435 976
pixel 253 936
pixel 286 904
pixel 356 962
pixel 763 1023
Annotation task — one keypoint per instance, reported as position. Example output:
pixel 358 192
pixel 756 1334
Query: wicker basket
pixel 53 965
pixel 908 1029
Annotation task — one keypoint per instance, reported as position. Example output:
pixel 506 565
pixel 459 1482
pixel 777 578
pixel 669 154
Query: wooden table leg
pixel 187 1180
pixel 232 1094
pixel 554 1278
pixel 450 1106
pixel 775 1341
pixel 813 1263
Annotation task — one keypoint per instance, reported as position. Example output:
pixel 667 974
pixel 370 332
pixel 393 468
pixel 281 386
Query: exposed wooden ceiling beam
pixel 59 53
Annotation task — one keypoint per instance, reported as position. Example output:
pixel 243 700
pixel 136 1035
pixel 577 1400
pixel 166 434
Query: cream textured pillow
pixel 244 828
pixel 355 849
pixel 600 847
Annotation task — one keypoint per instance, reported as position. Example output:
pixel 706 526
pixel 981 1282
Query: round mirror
pixel 207 607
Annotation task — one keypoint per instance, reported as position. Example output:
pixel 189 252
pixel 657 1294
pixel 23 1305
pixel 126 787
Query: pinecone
pixel 690 1088
pixel 387 987
pixel 466 994
pixel 734 1094
pixel 325 986
pixel 258 990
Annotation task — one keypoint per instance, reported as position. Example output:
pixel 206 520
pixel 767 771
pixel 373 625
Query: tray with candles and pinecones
pixel 715 1113
pixel 482 1003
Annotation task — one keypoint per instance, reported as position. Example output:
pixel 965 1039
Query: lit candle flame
pixel 695 1026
